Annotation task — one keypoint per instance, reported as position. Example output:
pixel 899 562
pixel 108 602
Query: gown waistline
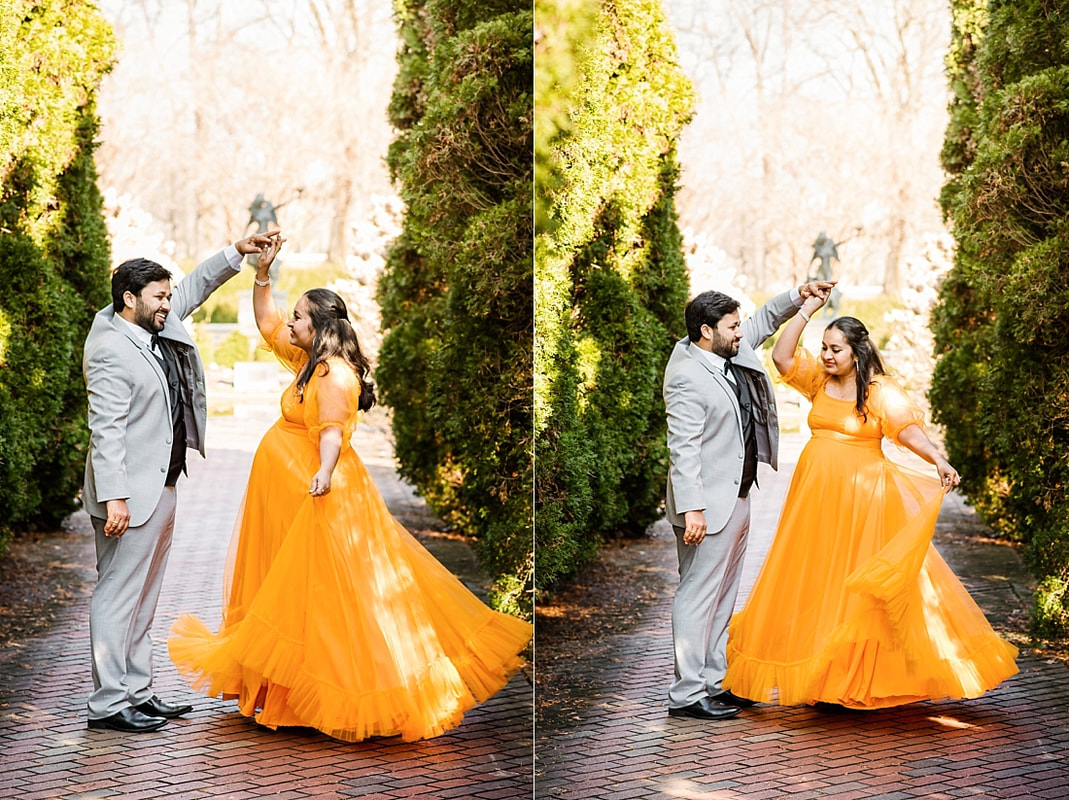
pixel 847 438
pixel 291 427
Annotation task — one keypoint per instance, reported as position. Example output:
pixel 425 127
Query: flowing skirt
pixel 335 617
pixel 853 605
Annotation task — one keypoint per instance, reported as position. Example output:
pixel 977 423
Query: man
pixel 145 382
pixel 721 422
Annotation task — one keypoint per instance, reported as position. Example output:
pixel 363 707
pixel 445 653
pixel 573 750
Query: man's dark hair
pixel 133 276
pixel 708 308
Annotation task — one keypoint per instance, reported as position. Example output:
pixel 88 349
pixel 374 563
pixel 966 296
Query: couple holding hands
pixel 853 607
pixel 334 616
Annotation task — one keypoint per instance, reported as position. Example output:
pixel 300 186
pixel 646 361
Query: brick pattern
pixel 603 732
pixel 46 750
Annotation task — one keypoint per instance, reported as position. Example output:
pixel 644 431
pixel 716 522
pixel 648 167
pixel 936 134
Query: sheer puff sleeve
pixel 331 399
pixel 807 375
pixel 894 408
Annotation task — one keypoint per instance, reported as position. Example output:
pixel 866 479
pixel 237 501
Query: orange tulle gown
pixel 853 605
pixel 334 616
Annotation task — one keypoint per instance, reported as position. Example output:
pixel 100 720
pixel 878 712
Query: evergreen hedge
pixel 610 278
pixel 456 294
pixel 1001 386
pixel 54 257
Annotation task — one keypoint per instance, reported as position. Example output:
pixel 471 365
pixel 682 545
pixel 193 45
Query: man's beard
pixel 146 318
pixel 723 346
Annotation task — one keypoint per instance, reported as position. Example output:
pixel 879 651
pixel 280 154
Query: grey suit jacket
pixel 129 411
pixel 705 443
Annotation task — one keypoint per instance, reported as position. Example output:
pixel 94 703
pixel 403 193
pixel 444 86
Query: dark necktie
pixel 742 392
pixel 165 355
pixel 733 377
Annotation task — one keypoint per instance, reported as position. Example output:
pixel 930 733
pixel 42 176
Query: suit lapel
pixel 717 375
pixel 146 354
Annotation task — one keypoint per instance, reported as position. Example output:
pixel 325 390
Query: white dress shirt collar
pixel 717 361
pixel 139 333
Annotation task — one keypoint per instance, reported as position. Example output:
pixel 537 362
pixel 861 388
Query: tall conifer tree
pixel 1001 387
pixel 54 261
pixel 455 364
pixel 610 278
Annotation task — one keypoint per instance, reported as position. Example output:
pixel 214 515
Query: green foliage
pixel 455 363
pixel 1051 617
pixel 224 313
pixel 203 340
pixel 563 26
pixel 234 348
pixel 1001 387
pixel 54 261
pixel 610 282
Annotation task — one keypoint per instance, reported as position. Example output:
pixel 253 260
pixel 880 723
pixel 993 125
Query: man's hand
pixel 694 530
pixel 267 255
pixel 821 289
pixel 118 518
pixel 256 243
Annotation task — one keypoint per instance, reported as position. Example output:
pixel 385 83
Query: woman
pixel 853 606
pixel 335 617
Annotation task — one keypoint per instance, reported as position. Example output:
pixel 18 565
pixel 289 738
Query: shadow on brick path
pixel 605 662
pixel 46 751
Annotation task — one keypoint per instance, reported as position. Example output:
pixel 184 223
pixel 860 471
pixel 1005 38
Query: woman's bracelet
pixel 259 282
pixel 801 313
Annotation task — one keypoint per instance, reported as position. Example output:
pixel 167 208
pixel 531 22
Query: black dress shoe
pixel 129 720
pixel 706 708
pixel 729 699
pixel 154 707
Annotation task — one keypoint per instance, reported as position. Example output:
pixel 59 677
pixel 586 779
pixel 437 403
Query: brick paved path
pixel 602 731
pixel 46 751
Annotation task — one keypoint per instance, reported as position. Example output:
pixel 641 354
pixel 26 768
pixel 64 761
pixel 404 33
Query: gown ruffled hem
pixel 814 680
pixel 888 630
pixel 271 682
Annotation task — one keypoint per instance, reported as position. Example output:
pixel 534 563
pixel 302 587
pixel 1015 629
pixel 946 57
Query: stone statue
pixel 262 212
pixel 825 249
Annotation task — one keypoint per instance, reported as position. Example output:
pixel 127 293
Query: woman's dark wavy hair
pixel 334 336
pixel 869 363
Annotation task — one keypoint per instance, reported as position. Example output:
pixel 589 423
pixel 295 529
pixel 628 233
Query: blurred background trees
pixel 212 102
pixel 813 115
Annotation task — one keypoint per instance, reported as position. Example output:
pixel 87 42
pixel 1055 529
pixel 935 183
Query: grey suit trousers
pixel 130 572
pixel 709 576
